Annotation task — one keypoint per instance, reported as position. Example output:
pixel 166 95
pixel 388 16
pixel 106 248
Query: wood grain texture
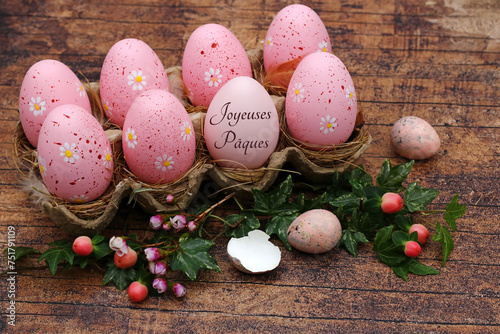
pixel 438 60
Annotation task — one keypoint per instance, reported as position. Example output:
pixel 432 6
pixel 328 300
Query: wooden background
pixel 434 59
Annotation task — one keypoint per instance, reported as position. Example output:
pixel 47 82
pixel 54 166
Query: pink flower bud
pixel 179 290
pixel 178 222
pixel 160 285
pixel 156 222
pixel 152 254
pixel 191 226
pixel 166 226
pixel 158 268
pixel 118 245
pixel 170 198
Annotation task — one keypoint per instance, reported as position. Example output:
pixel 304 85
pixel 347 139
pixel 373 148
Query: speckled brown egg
pixel 315 231
pixel 414 138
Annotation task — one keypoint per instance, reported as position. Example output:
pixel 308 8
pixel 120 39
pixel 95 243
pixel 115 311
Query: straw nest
pixel 317 164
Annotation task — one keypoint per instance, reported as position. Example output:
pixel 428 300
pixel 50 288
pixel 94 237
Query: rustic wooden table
pixel 434 59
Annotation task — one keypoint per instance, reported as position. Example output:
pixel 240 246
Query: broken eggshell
pixel 254 254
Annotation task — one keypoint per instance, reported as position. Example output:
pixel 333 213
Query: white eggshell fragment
pixel 74 155
pixel 158 139
pixel 315 231
pixel 254 254
pixel 241 126
pixel 130 68
pixel 47 85
pixel 414 138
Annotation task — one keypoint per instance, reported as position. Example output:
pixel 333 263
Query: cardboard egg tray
pixel 87 218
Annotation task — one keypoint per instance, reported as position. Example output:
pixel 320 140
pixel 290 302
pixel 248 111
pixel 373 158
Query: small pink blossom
pixel 191 226
pixel 152 254
pixel 166 226
pixel 170 198
pixel 178 222
pixel 179 290
pixel 155 222
pixel 118 245
pixel 158 268
pixel 160 285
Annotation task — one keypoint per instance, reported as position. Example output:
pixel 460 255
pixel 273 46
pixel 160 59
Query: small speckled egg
pixel 241 126
pixel 321 103
pixel 212 57
pixel 130 68
pixel 414 138
pixel 158 138
pixel 294 32
pixel 47 85
pixel 74 155
pixel 315 231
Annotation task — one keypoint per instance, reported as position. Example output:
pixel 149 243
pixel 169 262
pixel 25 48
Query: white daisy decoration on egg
pixel 298 91
pixel 269 41
pixel 186 131
pixel 80 89
pixel 79 199
pixel 323 46
pixel 164 162
pixel 131 138
pixel 42 165
pixel 37 106
pixel 328 124
pixel 106 158
pixel 108 109
pixel 350 95
pixel 213 77
pixel 69 152
pixel 137 80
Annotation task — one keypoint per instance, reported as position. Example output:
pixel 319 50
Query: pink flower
pixel 118 245
pixel 156 222
pixel 170 198
pixel 166 226
pixel 179 290
pixel 178 222
pixel 152 254
pixel 160 285
pixel 191 226
pixel 158 268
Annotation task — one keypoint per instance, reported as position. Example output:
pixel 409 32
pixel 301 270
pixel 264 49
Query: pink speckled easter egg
pixel 158 139
pixel 74 155
pixel 294 32
pixel 130 68
pixel 241 126
pixel 212 57
pixel 47 85
pixel 321 104
pixel 414 138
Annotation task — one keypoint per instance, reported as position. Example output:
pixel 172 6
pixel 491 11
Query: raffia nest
pixel 317 164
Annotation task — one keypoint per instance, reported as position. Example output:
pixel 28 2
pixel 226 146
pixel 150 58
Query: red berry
pixel 137 292
pixel 82 246
pixel 412 249
pixel 127 260
pixel 422 231
pixel 391 203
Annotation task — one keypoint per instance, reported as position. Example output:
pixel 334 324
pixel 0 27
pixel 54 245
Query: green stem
pixel 238 203
pixel 219 218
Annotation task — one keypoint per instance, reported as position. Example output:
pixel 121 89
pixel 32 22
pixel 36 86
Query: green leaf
pixel 192 256
pixel 279 225
pixel 304 204
pixel 121 278
pixel 417 197
pixel 421 269
pixel 246 222
pixel 348 202
pixel 444 237
pixel 383 239
pixel 403 222
pixel 350 240
pixel 359 179
pixel 402 270
pixel 61 250
pixel 399 238
pixel 390 179
pixel 372 199
pixel 20 251
pixel 276 201
pixel 97 239
pixel 454 211
pixel 101 249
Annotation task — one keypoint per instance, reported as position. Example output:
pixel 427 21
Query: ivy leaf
pixel 387 251
pixel 399 238
pixel 276 201
pixel 372 199
pixel 61 250
pixel 402 270
pixel 20 251
pixel 453 211
pixel 101 248
pixel 192 256
pixel 421 269
pixel 279 225
pixel 350 240
pixel 304 204
pixel 359 179
pixel 390 179
pixel 121 278
pixel 403 222
pixel 444 237
pixel 417 197
pixel 246 222
pixel 383 239
pixel 348 202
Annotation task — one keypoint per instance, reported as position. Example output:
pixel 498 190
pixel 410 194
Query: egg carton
pixel 87 218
